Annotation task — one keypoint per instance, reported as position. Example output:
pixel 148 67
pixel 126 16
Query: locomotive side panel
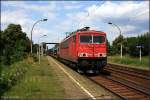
pixel 64 49
pixel 73 49
pixel 68 49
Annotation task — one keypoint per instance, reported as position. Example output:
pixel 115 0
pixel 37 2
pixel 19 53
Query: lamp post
pixel 39 46
pixel 33 28
pixel 120 35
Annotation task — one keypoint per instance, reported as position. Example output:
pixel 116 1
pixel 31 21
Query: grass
pixel 38 83
pixel 131 61
pixel 11 74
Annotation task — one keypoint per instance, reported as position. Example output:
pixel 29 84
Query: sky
pixel 132 17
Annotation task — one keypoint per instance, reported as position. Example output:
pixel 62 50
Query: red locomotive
pixel 85 49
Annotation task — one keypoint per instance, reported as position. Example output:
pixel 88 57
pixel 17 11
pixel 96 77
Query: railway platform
pixel 78 86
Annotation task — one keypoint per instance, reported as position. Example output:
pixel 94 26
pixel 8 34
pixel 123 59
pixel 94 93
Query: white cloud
pixel 70 7
pixel 47 10
pixel 122 10
pixel 128 15
pixel 22 15
pixel 127 28
pixel 24 5
pixel 109 11
pixel 18 17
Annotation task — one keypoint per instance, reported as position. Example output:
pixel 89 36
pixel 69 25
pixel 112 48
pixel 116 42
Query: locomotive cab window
pixel 98 39
pixel 85 39
pixel 92 39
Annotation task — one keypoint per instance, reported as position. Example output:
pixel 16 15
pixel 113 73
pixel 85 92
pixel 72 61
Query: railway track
pixel 135 78
pixel 140 72
pixel 127 83
pixel 123 91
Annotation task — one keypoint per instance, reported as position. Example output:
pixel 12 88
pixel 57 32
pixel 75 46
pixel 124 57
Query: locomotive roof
pixel 92 31
pixel 87 31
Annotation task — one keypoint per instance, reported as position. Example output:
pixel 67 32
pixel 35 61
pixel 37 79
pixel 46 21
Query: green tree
pixel 109 48
pixel 130 43
pixel 117 44
pixel 143 40
pixel 131 46
pixel 1 42
pixel 35 48
pixel 15 44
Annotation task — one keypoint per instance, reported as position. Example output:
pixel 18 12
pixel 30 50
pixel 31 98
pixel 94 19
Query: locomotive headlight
pixel 82 54
pixel 102 54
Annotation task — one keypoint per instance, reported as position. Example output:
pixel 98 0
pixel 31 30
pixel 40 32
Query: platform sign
pixel 140 46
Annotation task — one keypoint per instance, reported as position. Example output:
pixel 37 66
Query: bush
pixel 11 74
pixel 14 44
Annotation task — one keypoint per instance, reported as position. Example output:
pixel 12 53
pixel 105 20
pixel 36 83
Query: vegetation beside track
pixel 21 75
pixel 11 74
pixel 39 82
pixel 131 61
